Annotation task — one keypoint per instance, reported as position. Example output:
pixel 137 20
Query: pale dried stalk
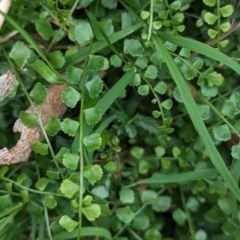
pixel 7 83
pixel 4 7
pixel 52 107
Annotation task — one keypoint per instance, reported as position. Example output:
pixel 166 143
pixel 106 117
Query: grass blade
pixel 178 178
pixel 26 36
pixel 86 231
pixel 196 118
pixel 201 48
pixel 105 103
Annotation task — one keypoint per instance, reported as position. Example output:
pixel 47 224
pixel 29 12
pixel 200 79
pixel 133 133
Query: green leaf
pixel 92 141
pixel 179 216
pixel 70 96
pixel 161 88
pixel 184 53
pixel 64 2
pixel 67 223
pixel 28 119
pixel 170 46
pixel 214 79
pixel 229 228
pixel 143 90
pixel 125 214
pixel 154 234
pixel 235 152
pixel 73 74
pixel 147 123
pixel 85 3
pixel 83 32
pixel 68 188
pixel 137 152
pixel 175 5
pixel 225 204
pixel 35 209
pixel 144 14
pixel 92 115
pixel 105 210
pixel 157 24
pixel 111 4
pixel 38 93
pixel 151 72
pixel 226 11
pixel 225 26
pixel 41 184
pixel 97 63
pixel 47 73
pixel 157 58
pixel 3 170
pixel 192 204
pixel 212 33
pixel 40 148
pixel 149 197
pixel 53 126
pixel 93 173
pixel 141 222
pixel 133 47
pixel 100 192
pixel 224 43
pixel 156 114
pixel 200 234
pixel 94 86
pixel 70 161
pixel 126 196
pixel 87 200
pixel 44 28
pixel 210 18
pixel 159 151
pixel 136 81
pixel 162 204
pixel 229 109
pixel 56 58
pixel 70 126
pixel 110 166
pixel 92 211
pixel 50 201
pixel 115 61
pixel 20 53
pixel 142 62
pixel 167 104
pixel 107 27
pixel 53 174
pixel 163 14
pixel 204 111
pixel 222 132
pixel 210 3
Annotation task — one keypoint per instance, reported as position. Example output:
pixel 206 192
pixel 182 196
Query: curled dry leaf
pixel 52 107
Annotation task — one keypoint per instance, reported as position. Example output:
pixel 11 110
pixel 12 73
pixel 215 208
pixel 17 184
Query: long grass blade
pixel 26 36
pixel 85 232
pixel 196 118
pixel 178 178
pixel 201 48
